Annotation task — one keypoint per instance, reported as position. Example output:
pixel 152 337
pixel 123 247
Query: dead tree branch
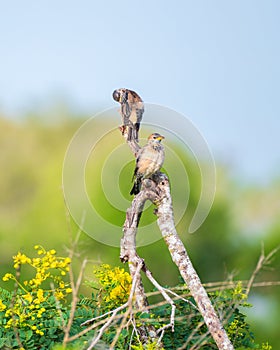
pixel 157 190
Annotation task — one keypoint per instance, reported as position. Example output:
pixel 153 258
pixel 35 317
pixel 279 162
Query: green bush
pixel 39 313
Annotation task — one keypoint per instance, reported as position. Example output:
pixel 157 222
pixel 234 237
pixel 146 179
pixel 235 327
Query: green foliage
pixel 149 346
pixel 35 316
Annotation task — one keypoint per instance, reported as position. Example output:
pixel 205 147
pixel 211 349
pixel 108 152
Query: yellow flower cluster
pixel 115 284
pixel 43 265
pixel 238 292
pixel 32 300
pixel 2 306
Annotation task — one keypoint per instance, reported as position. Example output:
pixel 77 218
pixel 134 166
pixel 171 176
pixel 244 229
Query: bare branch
pixel 128 248
pixel 181 259
pixel 166 297
pixel 75 299
pixel 263 260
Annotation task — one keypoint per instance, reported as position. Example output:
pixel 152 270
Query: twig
pixel 177 296
pixel 95 325
pixel 199 325
pixel 263 260
pixel 96 339
pixel 100 316
pixel 166 297
pixel 75 299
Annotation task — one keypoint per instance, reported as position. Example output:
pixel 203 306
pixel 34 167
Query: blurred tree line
pixel 228 244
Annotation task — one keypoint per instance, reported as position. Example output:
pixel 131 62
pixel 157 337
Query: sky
pixel 217 62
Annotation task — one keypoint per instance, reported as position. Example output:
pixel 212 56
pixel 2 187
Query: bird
pixel 132 109
pixel 149 161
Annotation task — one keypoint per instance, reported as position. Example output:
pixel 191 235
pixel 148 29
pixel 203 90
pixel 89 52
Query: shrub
pixel 36 314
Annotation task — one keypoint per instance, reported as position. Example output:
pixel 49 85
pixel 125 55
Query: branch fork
pixel 157 190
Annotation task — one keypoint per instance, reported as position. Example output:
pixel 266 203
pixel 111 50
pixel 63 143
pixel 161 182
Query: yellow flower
pixel 21 259
pixel 59 295
pixel 68 290
pixel 67 260
pixel 2 306
pixel 115 282
pixel 40 297
pixel 8 313
pixel 36 261
pixel 7 277
pixel 28 297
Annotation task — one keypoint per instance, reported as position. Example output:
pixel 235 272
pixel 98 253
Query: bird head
pixel 155 137
pixel 119 95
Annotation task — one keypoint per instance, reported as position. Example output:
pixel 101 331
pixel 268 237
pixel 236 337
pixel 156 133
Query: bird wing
pixel 138 159
pixel 125 111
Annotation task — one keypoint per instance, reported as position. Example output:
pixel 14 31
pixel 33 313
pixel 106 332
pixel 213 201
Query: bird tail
pixel 136 131
pixel 136 187
pixel 132 132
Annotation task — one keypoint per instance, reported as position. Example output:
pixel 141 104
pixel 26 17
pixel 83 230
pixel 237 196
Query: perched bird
pixel 149 161
pixel 132 109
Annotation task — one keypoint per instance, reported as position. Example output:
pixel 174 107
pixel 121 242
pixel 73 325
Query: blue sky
pixel 217 62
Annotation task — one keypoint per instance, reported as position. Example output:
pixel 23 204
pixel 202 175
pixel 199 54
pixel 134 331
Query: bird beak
pixel 160 138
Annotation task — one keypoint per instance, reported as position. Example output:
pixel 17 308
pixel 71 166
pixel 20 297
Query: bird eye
pixel 116 95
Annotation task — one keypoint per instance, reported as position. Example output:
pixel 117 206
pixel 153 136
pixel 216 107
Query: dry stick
pixel 95 325
pixel 263 260
pixel 199 325
pixel 128 254
pixel 181 259
pixel 75 299
pixel 102 329
pixel 128 248
pixel 214 286
pixel 74 287
pixel 168 299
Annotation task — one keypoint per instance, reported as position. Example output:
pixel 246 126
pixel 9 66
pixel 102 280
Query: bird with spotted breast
pixel 149 161
pixel 132 109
